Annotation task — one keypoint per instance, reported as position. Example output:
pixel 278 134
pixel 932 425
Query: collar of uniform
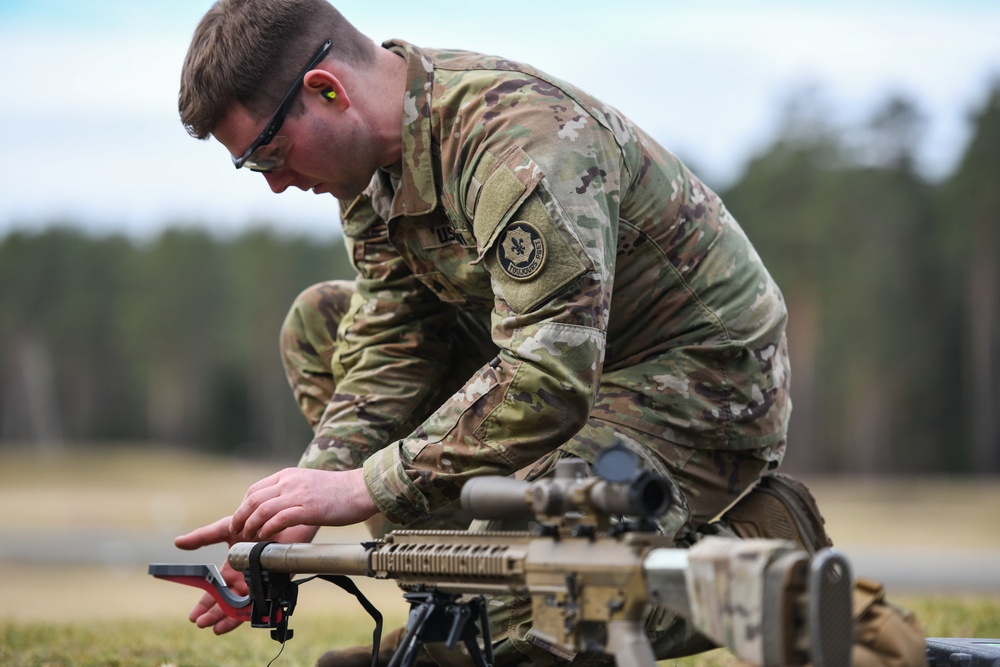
pixel 417 194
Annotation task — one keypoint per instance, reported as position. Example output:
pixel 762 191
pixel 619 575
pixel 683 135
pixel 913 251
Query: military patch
pixel 522 251
pixel 531 257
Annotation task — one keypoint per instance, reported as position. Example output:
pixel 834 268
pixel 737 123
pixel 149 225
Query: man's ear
pixel 327 86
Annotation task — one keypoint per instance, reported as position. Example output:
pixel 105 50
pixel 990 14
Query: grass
pixel 171 642
pixel 111 613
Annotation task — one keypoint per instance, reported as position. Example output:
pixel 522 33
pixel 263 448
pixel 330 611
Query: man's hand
pixel 206 612
pixel 302 497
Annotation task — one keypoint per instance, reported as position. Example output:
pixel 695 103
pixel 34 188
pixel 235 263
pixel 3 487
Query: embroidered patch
pixel 522 251
pixel 440 236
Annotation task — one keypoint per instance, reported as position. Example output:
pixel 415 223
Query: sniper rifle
pixel 594 568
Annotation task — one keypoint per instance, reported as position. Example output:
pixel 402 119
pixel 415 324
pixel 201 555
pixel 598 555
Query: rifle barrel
pixel 346 559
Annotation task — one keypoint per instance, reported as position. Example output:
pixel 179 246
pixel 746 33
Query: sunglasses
pixel 268 150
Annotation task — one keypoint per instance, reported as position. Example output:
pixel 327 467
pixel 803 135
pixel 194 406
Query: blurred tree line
pixel 171 341
pixel 892 283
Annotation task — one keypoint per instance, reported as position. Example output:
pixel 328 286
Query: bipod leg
pixel 465 613
pixel 485 629
pixel 437 617
pixel 421 609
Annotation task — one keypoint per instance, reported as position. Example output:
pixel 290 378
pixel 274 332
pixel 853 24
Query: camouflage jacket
pixel 615 284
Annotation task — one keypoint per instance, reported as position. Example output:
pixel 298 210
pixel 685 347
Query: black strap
pixel 348 585
pixel 255 581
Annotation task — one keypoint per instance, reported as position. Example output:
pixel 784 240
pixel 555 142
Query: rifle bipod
pixel 443 617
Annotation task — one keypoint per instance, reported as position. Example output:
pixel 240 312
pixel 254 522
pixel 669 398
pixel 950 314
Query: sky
pixel 91 135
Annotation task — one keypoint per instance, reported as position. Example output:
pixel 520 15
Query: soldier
pixel 536 278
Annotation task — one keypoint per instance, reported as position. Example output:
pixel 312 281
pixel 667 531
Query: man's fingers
pixel 271 518
pixel 213 533
pixel 210 617
pixel 208 614
pixel 302 497
pixel 256 496
pixel 234 579
pixel 290 516
pixel 226 625
pixel 205 604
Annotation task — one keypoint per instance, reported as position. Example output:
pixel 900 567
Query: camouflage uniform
pixel 541 278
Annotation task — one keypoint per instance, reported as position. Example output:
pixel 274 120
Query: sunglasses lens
pixel 270 156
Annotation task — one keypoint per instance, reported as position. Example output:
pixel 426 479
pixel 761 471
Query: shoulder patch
pixel 532 257
pixel 522 251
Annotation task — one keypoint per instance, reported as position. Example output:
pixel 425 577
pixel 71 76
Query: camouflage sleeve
pixel 546 233
pixel 391 344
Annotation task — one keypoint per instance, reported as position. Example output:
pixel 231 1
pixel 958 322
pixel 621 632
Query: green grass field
pixel 78 608
pixel 172 642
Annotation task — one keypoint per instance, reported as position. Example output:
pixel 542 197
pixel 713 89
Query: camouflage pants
pixel 706 481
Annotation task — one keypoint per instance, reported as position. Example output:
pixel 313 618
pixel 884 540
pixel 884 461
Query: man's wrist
pixel 394 494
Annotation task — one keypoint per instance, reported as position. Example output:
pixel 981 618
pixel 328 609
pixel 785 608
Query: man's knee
pixel 320 307
pixel 307 342
pixel 311 325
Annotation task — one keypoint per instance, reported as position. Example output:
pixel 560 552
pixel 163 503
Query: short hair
pixel 248 52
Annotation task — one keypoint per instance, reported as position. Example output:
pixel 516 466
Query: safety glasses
pixel 268 150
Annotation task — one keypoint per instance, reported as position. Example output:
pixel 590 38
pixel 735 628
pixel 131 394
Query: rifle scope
pixel 644 494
